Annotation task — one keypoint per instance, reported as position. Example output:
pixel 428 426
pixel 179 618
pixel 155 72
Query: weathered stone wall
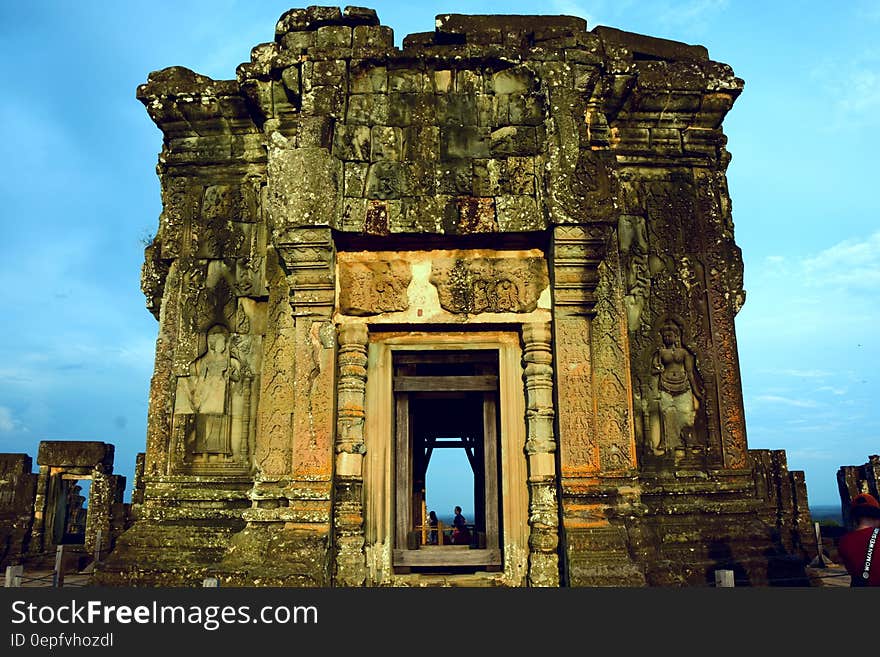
pixel 17 492
pixel 60 463
pixel 34 506
pixel 521 172
pixel 855 479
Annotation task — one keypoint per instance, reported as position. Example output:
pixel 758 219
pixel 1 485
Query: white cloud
pixel 869 11
pixel 829 297
pixel 688 16
pixel 808 454
pixel 7 422
pixel 801 374
pixel 570 8
pixel 853 262
pixel 850 263
pixel 851 88
pixel 787 401
pixel 693 16
pixel 832 390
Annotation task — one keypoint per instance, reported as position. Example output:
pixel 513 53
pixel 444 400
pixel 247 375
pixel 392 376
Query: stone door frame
pixel 379 477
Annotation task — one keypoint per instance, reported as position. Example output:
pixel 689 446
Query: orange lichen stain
pixel 312 471
pixel 581 485
pixel 583 508
pixel 588 472
pixel 313 528
pixel 584 524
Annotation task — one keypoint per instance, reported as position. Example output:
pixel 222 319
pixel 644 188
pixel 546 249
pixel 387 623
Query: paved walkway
pixel 43 578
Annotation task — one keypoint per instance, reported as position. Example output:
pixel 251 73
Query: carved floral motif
pixel 372 288
pixel 494 285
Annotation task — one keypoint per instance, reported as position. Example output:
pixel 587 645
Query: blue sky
pixel 79 194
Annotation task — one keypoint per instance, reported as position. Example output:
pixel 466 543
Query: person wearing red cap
pixel 860 549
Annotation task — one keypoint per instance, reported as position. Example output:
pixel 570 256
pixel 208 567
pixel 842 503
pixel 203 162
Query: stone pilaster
pixel 348 508
pixel 541 448
pixel 41 499
pixel 612 383
pixel 723 286
pixel 575 254
pixel 308 257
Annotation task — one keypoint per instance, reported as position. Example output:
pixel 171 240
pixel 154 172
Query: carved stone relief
pixel 213 403
pixel 372 288
pixel 210 297
pixel 673 396
pixel 611 380
pixel 219 232
pixel 633 241
pixel 489 285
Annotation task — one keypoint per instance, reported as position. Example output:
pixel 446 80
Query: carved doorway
pixel 446 400
pixel 425 378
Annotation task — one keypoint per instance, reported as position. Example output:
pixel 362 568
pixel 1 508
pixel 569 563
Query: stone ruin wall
pixel 18 486
pixel 29 501
pixel 855 479
pixel 514 171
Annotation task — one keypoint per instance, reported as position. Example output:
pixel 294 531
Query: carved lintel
pixel 494 285
pixel 373 288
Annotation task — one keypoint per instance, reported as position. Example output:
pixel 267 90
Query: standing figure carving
pixel 676 393
pixel 204 394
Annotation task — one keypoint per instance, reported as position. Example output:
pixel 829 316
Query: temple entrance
pixel 459 394
pixel 446 400
pixel 70 509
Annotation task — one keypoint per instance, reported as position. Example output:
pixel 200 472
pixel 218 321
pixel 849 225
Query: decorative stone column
pixel 576 254
pixel 349 568
pixel 308 256
pixel 541 448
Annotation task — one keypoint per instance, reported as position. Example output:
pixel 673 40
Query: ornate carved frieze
pixel 373 288
pixel 611 375
pixel 723 284
pixel 575 409
pixel 632 238
pixel 575 254
pixel 480 285
pixel 275 447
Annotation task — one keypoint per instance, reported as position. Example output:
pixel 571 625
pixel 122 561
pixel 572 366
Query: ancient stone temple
pixel 512 236
pixel 43 510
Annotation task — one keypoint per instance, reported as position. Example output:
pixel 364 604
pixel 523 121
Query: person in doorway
pixel 859 548
pixel 432 523
pixel 461 535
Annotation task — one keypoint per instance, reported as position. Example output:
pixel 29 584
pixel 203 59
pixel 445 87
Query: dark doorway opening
pixel 446 401
pixel 71 510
